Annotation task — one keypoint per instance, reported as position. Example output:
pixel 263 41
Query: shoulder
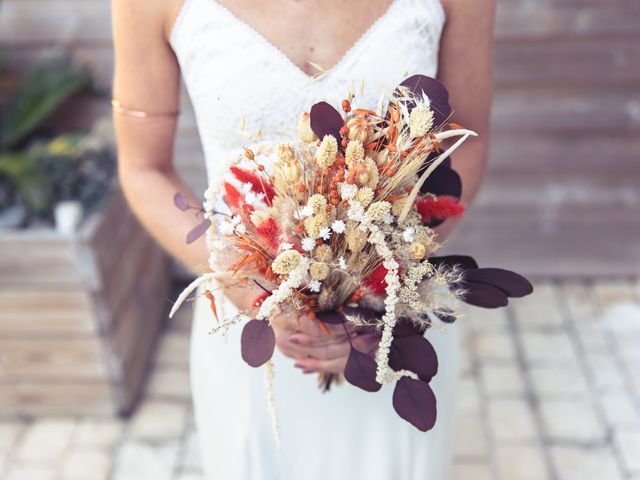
pixel 469 8
pixel 146 16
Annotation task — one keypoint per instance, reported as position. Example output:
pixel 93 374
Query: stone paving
pixel 550 390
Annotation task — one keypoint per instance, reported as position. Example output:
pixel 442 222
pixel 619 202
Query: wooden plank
pixel 543 110
pixel 534 20
pixel 38 258
pixel 41 359
pixel 598 61
pixel 47 398
pixel 54 21
pixel 38 313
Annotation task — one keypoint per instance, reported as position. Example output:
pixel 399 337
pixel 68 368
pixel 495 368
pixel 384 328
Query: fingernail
pixel 300 365
pixel 294 340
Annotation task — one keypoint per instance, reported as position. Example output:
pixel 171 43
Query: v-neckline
pixel 350 51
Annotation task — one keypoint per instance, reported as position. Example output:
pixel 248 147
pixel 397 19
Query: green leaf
pixel 23 171
pixel 42 91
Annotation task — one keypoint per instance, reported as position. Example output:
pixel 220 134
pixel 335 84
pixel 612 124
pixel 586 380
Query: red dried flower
pixel 439 208
pixel 259 300
pixel 376 282
pixel 233 197
pixel 269 231
pixel 258 184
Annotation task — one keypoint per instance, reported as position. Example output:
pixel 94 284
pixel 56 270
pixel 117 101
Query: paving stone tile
pixel 562 380
pixel 521 463
pixel 19 471
pixel 620 410
pixel 539 310
pixel 496 346
pixel 482 319
pixel 472 471
pixel 628 444
pixel 606 373
pixel 502 379
pixel 585 463
pixel 468 398
pixel 511 420
pixel 78 463
pixel 470 438
pixel 571 420
pixel 551 348
pixel 170 383
pixel 102 433
pixel 173 350
pixel 137 460
pixel 45 440
pixel 9 432
pixel 156 420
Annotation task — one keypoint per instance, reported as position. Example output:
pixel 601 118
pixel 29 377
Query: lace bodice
pixel 240 83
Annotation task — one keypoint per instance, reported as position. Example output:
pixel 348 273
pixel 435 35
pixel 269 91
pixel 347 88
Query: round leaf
pixel 415 402
pixel 361 371
pixel 483 295
pixel 414 353
pixel 326 120
pixel 511 283
pixel 437 93
pixel 258 342
pixel 181 201
pixel 198 231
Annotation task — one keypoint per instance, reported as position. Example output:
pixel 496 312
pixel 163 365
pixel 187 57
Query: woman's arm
pixel 466 70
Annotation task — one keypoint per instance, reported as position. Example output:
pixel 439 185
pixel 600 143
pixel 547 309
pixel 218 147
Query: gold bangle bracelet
pixel 118 108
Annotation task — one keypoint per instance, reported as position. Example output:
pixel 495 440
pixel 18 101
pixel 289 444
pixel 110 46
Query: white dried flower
pixel 327 152
pixel 348 191
pixel 420 120
pixel 314 286
pixel 304 212
pixel 388 219
pixel 308 244
pixel 342 263
pixel 338 226
pixel 325 233
pixel 408 234
pixel 286 246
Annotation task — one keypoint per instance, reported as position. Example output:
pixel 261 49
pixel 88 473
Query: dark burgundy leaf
pixel 333 317
pixel 405 327
pixel 463 261
pixel 181 201
pixel 446 318
pixel 437 93
pixel 198 231
pixel 414 353
pixel 511 283
pixel 326 120
pixel 443 181
pixel 415 402
pixel 361 371
pixel 483 295
pixel 257 342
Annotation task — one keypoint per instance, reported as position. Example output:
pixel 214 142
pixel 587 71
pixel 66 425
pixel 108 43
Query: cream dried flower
pixel 364 196
pixel 367 174
pixel 417 251
pixel 356 238
pixel 323 253
pixel 319 271
pixel 420 120
pixel 348 191
pixel 286 262
pixel 317 203
pixel 304 129
pixel 316 223
pixel 398 205
pixel 354 152
pixel 327 152
pixel 259 216
pixel 360 128
pixel 377 211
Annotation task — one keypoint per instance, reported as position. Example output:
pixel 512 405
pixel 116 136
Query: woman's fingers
pixel 335 358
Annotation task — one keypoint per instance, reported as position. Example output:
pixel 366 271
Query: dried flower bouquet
pixel 339 226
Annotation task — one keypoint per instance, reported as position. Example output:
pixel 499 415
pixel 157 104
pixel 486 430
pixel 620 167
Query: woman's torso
pixel 241 83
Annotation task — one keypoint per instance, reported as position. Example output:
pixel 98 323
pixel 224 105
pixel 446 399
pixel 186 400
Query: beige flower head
pixel 317 203
pixel 327 152
pixel 420 120
pixel 286 262
pixel 319 271
pixel 354 152
pixel 398 205
pixel 360 128
pixel 417 251
pixel 323 253
pixel 304 129
pixel 314 224
pixel 356 238
pixel 364 196
pixel 378 210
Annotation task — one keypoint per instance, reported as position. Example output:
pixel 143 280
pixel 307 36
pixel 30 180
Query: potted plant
pixel 81 282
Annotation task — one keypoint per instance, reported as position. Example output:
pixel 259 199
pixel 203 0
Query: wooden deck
pixel 562 193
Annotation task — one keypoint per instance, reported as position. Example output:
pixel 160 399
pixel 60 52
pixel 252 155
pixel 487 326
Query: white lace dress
pixel 235 76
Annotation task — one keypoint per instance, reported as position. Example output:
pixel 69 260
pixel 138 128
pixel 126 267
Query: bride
pixel 251 63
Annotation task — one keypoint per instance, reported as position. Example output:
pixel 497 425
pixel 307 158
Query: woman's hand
pixel 315 350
